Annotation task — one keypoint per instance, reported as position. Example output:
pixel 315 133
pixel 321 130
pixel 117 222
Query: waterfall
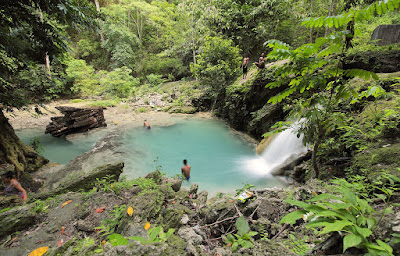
pixel 284 146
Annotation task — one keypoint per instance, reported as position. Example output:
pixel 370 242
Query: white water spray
pixel 284 146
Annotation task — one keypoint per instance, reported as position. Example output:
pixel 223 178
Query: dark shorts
pixel 244 70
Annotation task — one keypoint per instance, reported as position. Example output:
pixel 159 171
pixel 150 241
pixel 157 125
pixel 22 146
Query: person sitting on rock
pixel 261 61
pixel 14 188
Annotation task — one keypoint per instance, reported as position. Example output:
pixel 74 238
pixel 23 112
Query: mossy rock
pixel 16 219
pixel 382 158
pixel 171 218
pixel 147 204
pixel 212 211
pixel 183 110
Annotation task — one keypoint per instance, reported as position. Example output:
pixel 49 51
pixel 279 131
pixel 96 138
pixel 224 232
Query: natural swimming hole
pixel 221 159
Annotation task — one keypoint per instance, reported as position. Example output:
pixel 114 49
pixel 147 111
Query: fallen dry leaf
pixel 173 202
pixel 103 242
pixel 228 245
pixel 60 242
pixel 100 210
pixel 62 230
pixel 147 226
pixel 39 251
pixel 130 211
pixel 64 204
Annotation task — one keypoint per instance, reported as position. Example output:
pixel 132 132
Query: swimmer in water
pixel 146 125
pixel 186 170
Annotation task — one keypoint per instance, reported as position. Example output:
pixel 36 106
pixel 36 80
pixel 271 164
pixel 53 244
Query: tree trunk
pixel 314 158
pixel 13 151
pixel 332 10
pixel 96 2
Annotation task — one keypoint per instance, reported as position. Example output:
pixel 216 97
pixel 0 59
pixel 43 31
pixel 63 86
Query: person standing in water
pixel 146 124
pixel 186 170
pixel 244 65
pixel 13 187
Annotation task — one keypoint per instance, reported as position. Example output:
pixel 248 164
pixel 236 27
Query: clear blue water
pixel 60 150
pixel 219 158
pixel 221 161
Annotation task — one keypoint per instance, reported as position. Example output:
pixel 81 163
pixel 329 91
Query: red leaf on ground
pixel 100 210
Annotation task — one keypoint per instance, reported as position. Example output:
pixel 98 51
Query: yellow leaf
pixel 147 226
pixel 39 251
pixel 130 211
pixel 64 204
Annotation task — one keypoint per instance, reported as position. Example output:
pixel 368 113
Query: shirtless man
pixel 146 124
pixel 261 61
pixel 186 169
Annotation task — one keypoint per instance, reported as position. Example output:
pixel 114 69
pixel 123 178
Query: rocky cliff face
pixel 244 104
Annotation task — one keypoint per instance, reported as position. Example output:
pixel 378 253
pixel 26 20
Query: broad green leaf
pixel 153 233
pixel 365 232
pixel 242 225
pixel 117 239
pixel 138 238
pixel 235 246
pixel 293 216
pixel 246 244
pixel 385 246
pixel 351 240
pixel 336 226
pixel 253 233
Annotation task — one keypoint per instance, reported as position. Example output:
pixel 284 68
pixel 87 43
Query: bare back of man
pixel 186 169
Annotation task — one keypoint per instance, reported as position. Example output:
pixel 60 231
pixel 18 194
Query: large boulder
pixel 84 180
pixel 16 219
pixel 75 120
pixel 386 34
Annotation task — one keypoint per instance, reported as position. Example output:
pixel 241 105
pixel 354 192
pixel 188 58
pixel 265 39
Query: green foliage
pixel 155 80
pixel 36 145
pixel 344 212
pixel 109 225
pixel 154 235
pixel 40 206
pixel 297 245
pixel 104 184
pixel 217 64
pixel 119 83
pixel 26 37
pixel 243 236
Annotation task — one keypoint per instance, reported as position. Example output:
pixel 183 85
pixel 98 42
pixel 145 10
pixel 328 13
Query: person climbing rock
pixel 14 188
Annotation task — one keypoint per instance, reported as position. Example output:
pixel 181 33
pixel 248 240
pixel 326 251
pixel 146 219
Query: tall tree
pixel 29 30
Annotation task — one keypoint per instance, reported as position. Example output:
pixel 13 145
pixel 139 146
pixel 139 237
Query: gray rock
pixel 185 219
pixel 193 189
pixel 80 180
pixel 189 235
pixel 16 219
pixel 386 34
pixel 202 197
